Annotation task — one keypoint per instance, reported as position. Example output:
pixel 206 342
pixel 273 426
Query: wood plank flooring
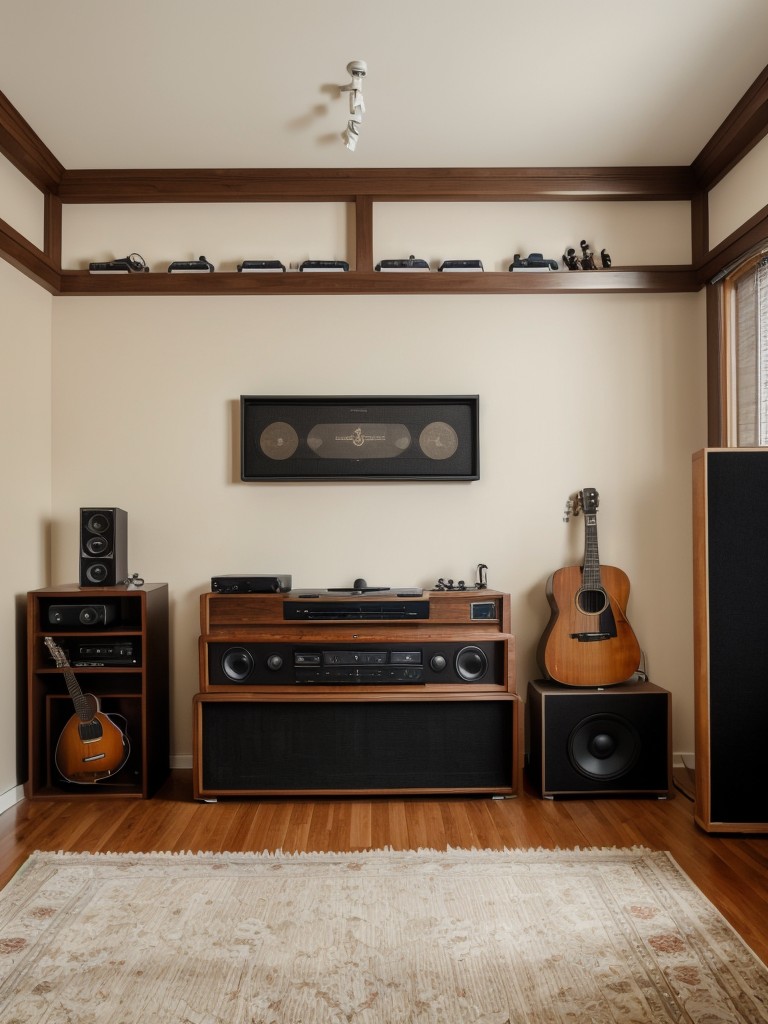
pixel 731 870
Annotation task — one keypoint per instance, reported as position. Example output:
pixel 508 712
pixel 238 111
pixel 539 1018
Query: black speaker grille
pixel 356 745
pixel 737 496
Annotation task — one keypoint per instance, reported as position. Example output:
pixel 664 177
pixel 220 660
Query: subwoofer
pixel 594 742
pixel 103 546
pixel 730 605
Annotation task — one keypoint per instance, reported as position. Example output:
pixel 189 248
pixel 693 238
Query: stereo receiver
pixel 267 663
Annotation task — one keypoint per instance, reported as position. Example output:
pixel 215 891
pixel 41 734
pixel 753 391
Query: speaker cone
pixel 604 746
pixel 279 440
pixel 237 664
pixel 438 440
pixel 97 545
pixel 98 523
pixel 96 573
pixel 471 664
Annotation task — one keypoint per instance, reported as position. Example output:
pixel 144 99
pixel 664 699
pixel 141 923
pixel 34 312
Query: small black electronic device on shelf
pixel 197 266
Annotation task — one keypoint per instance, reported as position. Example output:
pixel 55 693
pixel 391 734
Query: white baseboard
pixel 181 760
pixel 11 797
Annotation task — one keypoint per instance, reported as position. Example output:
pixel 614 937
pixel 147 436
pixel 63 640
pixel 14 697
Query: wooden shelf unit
pixel 139 693
pixel 361 282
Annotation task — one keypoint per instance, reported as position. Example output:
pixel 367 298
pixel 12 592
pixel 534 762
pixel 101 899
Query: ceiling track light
pixel 358 70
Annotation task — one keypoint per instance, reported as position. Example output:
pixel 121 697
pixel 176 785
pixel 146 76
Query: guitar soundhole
pixel 591 602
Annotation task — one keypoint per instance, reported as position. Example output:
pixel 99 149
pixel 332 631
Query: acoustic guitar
pixel 92 746
pixel 588 640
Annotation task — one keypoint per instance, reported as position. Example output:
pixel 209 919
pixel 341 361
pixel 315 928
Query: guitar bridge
pixel 586 638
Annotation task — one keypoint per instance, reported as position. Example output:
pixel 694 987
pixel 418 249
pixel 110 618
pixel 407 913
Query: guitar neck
pixel 591 554
pixel 83 707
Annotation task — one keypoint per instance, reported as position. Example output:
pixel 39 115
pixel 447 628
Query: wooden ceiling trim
pixel 197 185
pixel 26 150
pixel 28 259
pixel 744 127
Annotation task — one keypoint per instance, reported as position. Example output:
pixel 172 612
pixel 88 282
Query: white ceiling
pixel 450 83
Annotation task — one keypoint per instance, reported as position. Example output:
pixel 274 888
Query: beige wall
pixel 604 391
pixel 741 193
pixel 25 493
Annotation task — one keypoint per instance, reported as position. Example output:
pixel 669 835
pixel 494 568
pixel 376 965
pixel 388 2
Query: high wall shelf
pixel 138 692
pixel 615 280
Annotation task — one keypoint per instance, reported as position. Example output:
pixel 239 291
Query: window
pixel 745 297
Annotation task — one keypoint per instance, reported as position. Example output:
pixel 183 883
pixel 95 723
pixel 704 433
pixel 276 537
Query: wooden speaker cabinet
pixel 325 693
pixel 116 642
pixel 730 499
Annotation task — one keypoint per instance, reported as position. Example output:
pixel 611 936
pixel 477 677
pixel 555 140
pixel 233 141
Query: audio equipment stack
pixel 366 690
pixel 115 639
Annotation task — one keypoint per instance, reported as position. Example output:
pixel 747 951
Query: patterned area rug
pixel 463 937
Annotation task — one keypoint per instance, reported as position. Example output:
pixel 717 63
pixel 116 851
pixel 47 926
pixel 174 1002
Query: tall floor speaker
pixel 730 530
pixel 591 742
pixel 103 546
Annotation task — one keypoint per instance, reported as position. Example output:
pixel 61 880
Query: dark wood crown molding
pixel 26 150
pixel 740 132
pixel 381 184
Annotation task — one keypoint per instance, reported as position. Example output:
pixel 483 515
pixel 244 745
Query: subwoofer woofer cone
pixel 471 664
pixel 237 664
pixel 604 746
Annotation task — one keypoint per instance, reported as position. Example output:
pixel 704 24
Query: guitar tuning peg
pixel 568 511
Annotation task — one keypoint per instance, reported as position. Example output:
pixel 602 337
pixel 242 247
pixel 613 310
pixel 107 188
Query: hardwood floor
pixel 731 871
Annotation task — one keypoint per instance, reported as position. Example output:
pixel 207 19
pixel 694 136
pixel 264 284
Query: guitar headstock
pixel 585 500
pixel 590 500
pixel 56 653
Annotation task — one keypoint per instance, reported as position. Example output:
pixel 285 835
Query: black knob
pixel 274 662
pixel 437 662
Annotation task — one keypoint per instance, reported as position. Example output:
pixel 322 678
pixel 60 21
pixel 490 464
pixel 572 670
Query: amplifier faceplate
pixel 455 664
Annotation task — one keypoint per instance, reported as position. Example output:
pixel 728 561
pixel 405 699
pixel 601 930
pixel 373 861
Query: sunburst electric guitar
pixel 588 641
pixel 92 746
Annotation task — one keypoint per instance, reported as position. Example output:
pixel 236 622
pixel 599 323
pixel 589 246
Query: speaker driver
pixel 237 664
pixel 471 664
pixel 279 440
pixel 604 746
pixel 98 523
pixel 97 545
pixel 96 573
pixel 438 440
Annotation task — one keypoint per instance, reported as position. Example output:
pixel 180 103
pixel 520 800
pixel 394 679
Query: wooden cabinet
pixel 116 642
pixel 321 694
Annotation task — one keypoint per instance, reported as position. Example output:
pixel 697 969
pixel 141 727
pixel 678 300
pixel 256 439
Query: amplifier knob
pixel 437 662
pixel 274 662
